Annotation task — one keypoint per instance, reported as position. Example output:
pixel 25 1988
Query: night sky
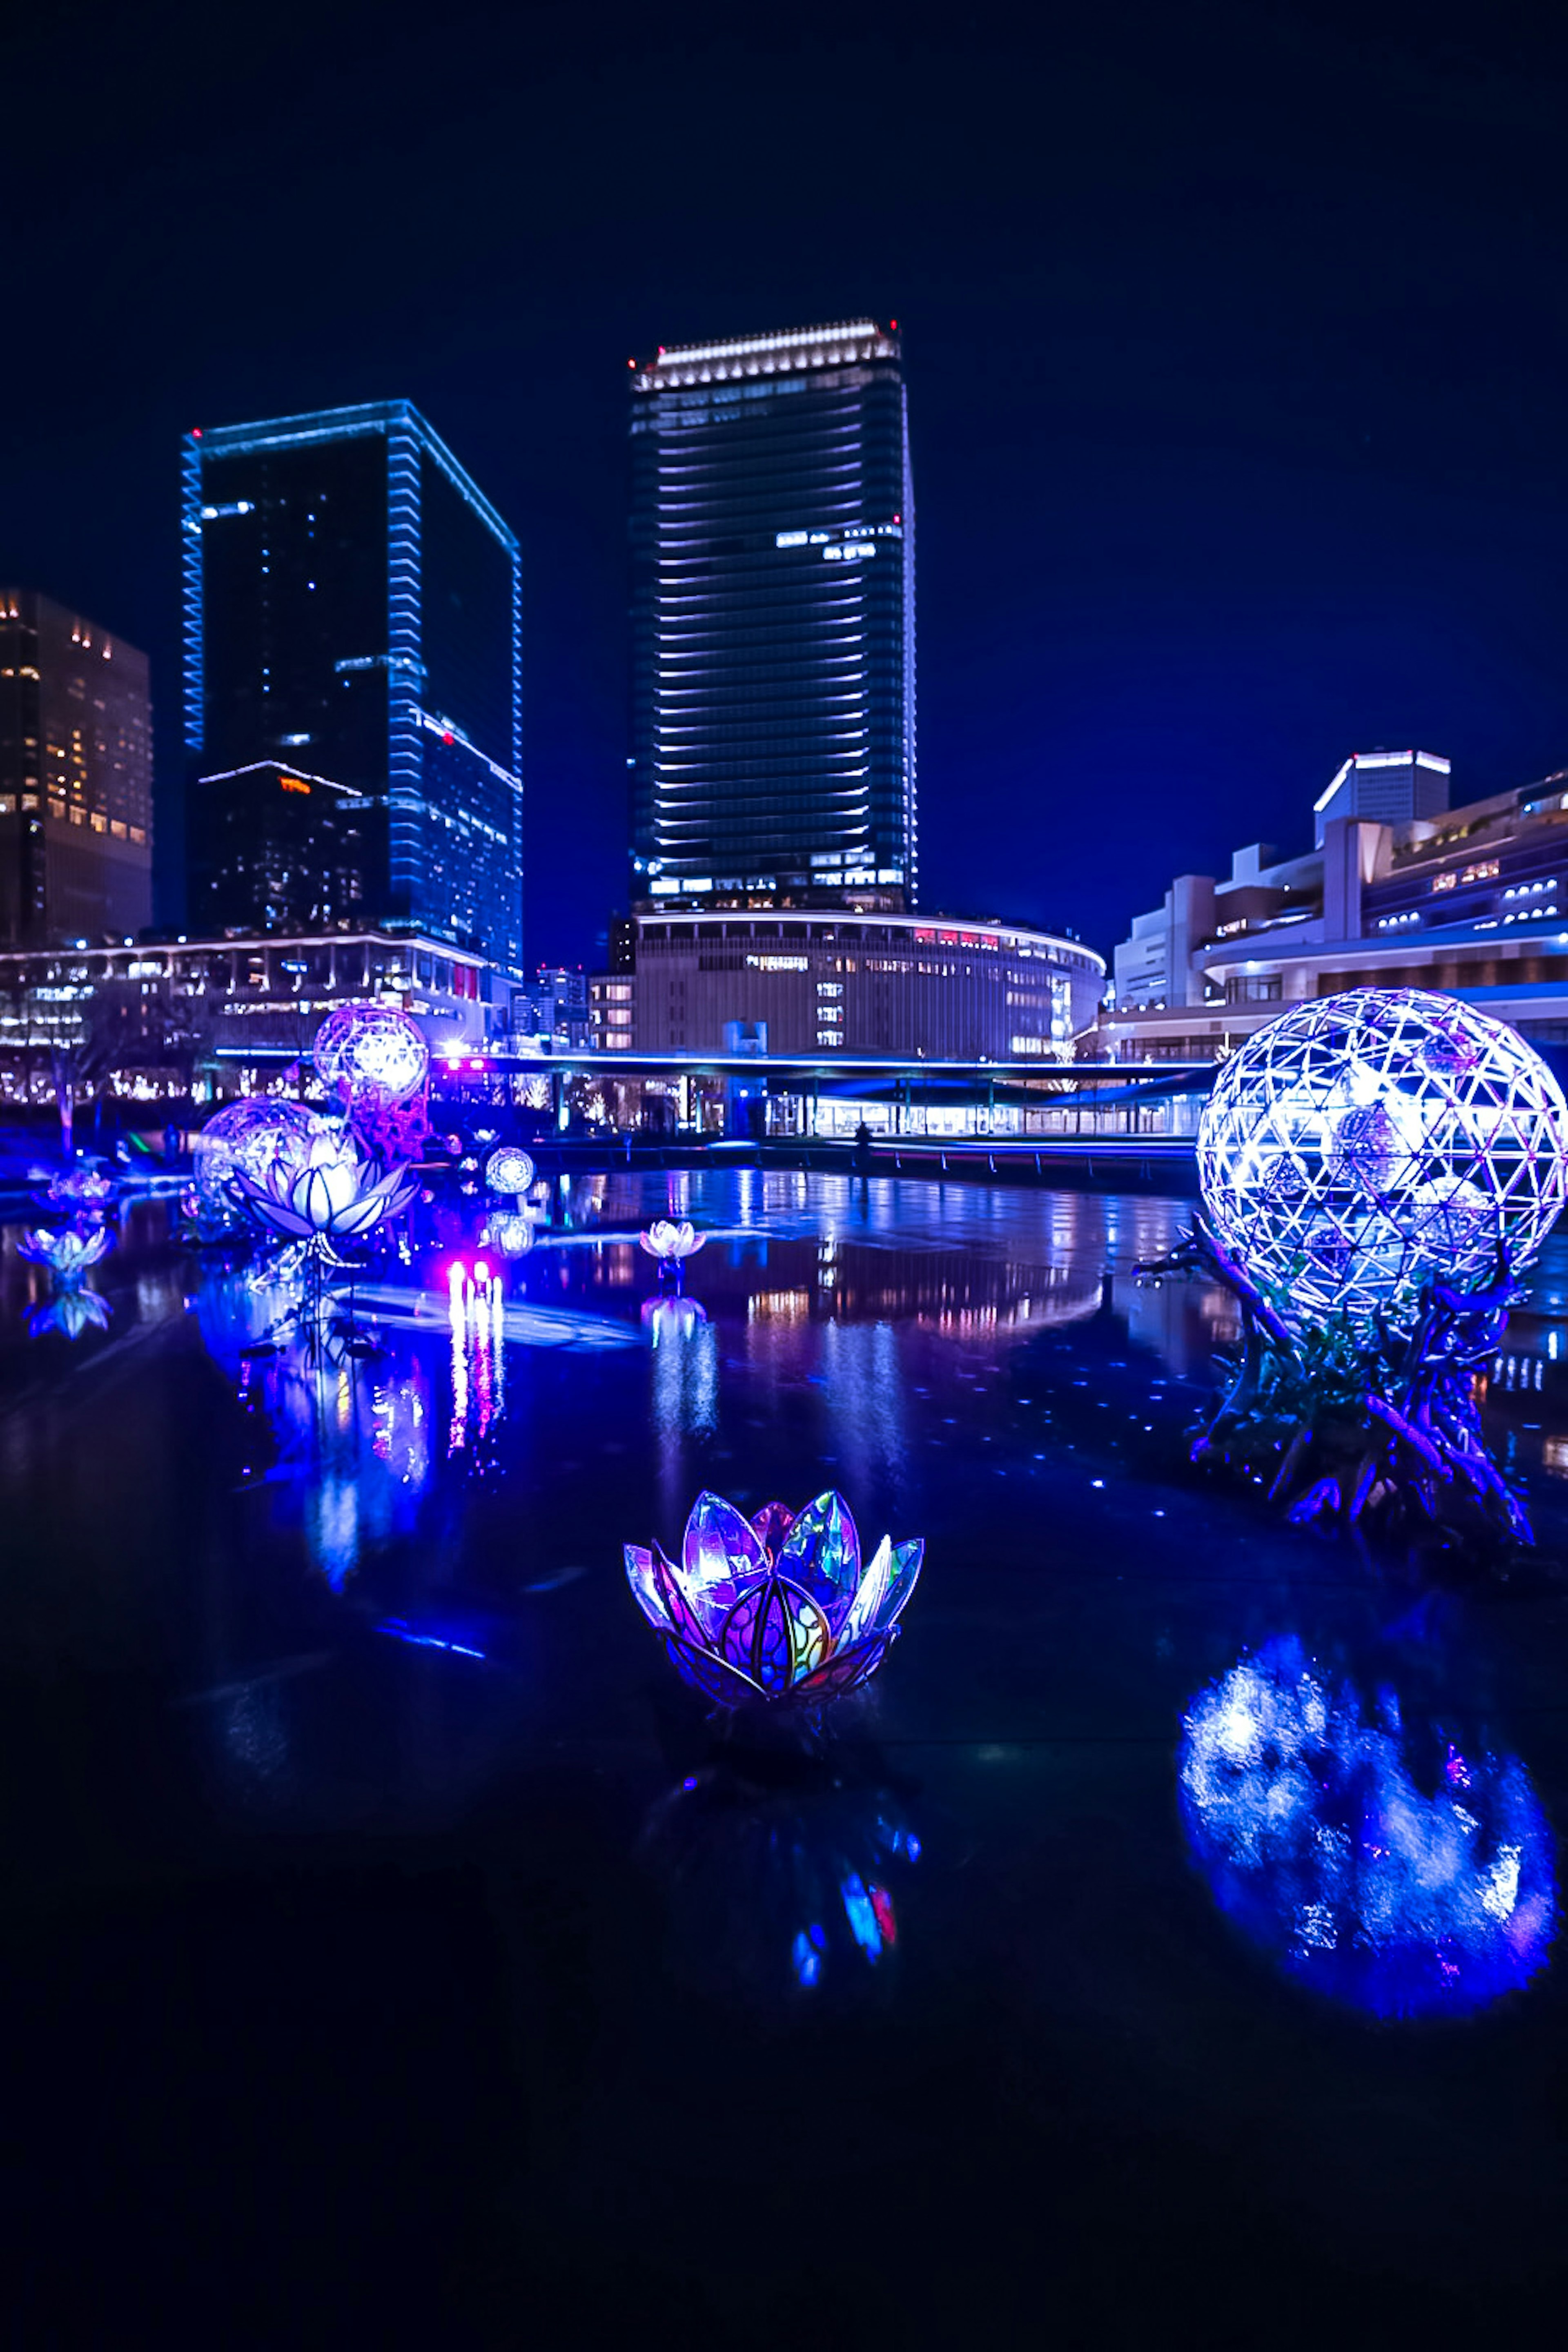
pixel 1234 339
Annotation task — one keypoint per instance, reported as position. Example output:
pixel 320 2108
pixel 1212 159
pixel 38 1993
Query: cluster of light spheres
pixel 371 1050
pixel 247 1138
pixel 509 1170
pixel 1364 1145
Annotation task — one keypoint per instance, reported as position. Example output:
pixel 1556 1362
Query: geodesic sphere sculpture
pixel 509 1169
pixel 247 1136
pixel 372 1049
pixel 1364 1145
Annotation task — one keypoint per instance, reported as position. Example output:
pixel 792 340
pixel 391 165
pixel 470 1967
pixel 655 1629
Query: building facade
pixel 352 604
pixel 76 778
pixel 1472 901
pixel 271 849
pixel 867 983
pixel 553 1009
pixel 773 757
pixel 195 1009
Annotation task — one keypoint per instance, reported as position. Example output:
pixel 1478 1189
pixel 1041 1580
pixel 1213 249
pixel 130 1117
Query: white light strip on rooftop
pixel 786 339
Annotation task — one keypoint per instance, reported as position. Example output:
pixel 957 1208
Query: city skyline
pixel 1227 465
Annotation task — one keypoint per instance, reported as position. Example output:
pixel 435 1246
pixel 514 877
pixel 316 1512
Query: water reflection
pixel 1376 1863
pixel 781 1878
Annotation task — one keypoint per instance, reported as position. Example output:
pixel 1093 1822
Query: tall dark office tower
pixel 352 604
pixel 76 778
pixel 774 620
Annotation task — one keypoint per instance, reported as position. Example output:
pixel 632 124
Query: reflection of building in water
pixel 1395 1872
pixel 1183 1320
pixel 862 1374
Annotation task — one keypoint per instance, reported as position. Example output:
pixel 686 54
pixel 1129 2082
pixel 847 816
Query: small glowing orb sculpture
pixel 248 1136
pixel 777 1608
pixel 330 1192
pixel 1360 1147
pixel 511 1235
pixel 1305 1812
pixel 509 1170
pixel 670 1242
pixel 372 1051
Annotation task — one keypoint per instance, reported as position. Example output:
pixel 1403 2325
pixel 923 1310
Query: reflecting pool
pixel 1172 1916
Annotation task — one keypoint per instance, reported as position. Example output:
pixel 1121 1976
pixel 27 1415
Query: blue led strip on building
pixel 405 764
pixel 450 854
pixel 190 585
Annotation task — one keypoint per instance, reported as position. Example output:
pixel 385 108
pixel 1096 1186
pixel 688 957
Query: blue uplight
pixel 1304 1811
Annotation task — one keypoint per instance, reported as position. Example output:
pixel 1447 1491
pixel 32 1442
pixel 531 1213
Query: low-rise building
pixel 1471 900
pixel 223 998
pixel 927 986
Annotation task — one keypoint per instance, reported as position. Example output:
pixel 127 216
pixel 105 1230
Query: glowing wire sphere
pixel 509 1170
pixel 374 1049
pixel 247 1138
pixel 1362 1146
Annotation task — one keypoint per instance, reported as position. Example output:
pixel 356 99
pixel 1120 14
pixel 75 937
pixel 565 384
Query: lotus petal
pixel 847 1668
pixel 710 1675
pixel 822 1551
pixel 861 1613
pixel 771 1524
pixel 775 1633
pixel 907 1558
pixel 720 1554
pixel 640 1577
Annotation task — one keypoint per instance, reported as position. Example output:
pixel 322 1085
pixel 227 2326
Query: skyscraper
pixel 352 605
pixel 773 622
pixel 76 778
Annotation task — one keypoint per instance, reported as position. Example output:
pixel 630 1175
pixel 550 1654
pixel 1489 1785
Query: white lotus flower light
pixel 670 1242
pixel 327 1192
pixel 67 1253
pixel 1363 1146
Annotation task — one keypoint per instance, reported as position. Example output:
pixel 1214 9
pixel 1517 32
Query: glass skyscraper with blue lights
pixel 351 608
pixel 773 757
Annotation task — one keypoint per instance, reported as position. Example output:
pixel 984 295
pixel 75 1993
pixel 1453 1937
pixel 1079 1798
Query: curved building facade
pixel 864 984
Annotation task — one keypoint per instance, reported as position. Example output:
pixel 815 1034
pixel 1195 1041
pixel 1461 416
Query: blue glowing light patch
pixel 1404 1892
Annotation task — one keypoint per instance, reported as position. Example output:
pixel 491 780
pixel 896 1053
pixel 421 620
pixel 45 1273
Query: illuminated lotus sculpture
pixel 81 1190
pixel 71 1311
pixel 323 1190
pixel 69 1252
pixel 1363 1146
pixel 778 1609
pixel 372 1049
pixel 248 1137
pixel 509 1170
pixel 1307 1814
pixel 671 1243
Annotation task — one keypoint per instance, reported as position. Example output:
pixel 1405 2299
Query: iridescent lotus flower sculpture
pixel 777 1608
pixel 327 1192
pixel 670 1242
pixel 509 1170
pixel 79 1189
pixel 67 1253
